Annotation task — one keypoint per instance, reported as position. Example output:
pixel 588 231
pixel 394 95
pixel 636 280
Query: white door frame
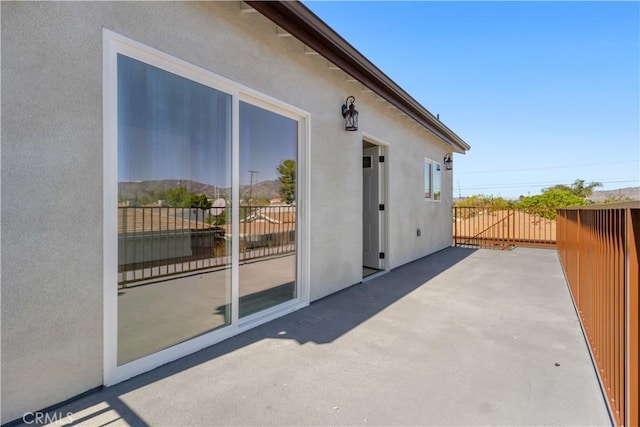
pixel 383 196
pixel 371 215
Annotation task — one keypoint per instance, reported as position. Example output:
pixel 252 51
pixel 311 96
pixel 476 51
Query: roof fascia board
pixel 299 21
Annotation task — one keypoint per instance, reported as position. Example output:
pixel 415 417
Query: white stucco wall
pixel 407 209
pixel 52 176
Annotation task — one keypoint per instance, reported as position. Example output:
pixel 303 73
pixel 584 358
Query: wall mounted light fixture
pixel 350 114
pixel 448 161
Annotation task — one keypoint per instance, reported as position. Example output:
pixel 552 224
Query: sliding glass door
pixel 174 157
pixel 207 217
pixel 268 217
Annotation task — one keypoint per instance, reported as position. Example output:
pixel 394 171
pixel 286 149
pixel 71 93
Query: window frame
pixel 114 44
pixel 434 168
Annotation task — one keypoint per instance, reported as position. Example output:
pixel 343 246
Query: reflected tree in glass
pixel 268 149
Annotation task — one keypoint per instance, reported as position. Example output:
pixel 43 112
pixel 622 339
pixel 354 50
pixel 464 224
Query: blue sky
pixel 544 92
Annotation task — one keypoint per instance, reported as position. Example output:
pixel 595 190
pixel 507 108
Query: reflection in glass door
pixel 268 214
pixel 174 180
pixel 177 215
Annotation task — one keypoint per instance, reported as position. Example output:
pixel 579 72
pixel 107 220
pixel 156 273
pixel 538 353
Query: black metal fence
pixel 155 242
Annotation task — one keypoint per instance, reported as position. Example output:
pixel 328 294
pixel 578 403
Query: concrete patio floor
pixel 461 337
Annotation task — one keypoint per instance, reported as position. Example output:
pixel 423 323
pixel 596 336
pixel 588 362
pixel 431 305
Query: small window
pixel 427 179
pixel 436 181
pixel 366 162
pixel 432 180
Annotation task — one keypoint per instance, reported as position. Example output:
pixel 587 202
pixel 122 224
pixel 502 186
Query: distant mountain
pixel 599 196
pixel 135 189
pixel 262 190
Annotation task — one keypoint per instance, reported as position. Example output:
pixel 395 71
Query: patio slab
pixel 461 337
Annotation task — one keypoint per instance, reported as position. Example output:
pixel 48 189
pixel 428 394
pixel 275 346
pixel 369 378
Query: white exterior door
pixel 371 208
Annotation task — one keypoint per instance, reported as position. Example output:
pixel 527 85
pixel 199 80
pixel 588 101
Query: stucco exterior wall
pixel 407 209
pixel 52 177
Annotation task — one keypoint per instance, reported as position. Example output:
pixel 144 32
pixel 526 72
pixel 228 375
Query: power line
pixel 545 167
pixel 530 183
pixel 251 186
pixel 534 185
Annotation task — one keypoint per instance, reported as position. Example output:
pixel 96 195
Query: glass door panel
pixel 174 181
pixel 268 214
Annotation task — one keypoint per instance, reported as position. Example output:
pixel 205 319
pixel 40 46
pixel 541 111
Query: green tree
pixel 558 196
pixel 200 201
pixel 287 178
pixel 484 201
pixel 578 188
pixel 176 197
pixel 180 197
pixel 545 204
pixel 145 199
pixel 617 199
pixel 220 219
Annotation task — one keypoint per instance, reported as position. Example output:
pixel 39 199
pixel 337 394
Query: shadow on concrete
pixel 322 322
pixel 331 317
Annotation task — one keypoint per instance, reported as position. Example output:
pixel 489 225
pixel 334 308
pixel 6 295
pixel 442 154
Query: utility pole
pixel 251 186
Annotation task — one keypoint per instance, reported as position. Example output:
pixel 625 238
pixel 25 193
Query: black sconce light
pixel 448 161
pixel 350 114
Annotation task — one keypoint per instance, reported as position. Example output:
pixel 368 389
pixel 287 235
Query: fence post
pixel 632 301
pixel 455 226
pixel 511 237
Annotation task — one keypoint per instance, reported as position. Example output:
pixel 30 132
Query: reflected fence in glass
pixel 174 278
pixel 175 271
pixel 268 154
pixel 159 242
pixel 155 242
pixel 174 238
pixel 174 137
pixel 267 253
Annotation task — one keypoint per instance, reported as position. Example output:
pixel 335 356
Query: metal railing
pixel 598 249
pixel 156 242
pixel 503 228
pixel 267 231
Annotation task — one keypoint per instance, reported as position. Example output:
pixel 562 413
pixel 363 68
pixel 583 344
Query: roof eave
pixel 300 22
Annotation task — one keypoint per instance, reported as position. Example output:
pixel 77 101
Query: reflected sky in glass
pixel 170 127
pixel 436 181
pixel 266 139
pixel 427 179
